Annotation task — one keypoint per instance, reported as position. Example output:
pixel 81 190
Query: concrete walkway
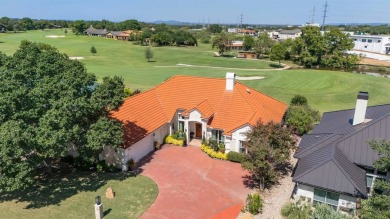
pixel 192 185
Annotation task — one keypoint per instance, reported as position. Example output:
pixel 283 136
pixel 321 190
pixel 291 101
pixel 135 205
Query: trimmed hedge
pixel 236 157
pixel 170 140
pixel 212 153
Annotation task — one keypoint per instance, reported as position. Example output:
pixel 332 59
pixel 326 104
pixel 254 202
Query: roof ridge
pixel 246 100
pixel 346 174
pixel 364 128
pixel 319 143
pixel 161 105
pixel 313 168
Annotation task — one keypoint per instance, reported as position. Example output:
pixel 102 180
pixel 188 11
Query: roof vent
pixel 248 90
pixel 361 107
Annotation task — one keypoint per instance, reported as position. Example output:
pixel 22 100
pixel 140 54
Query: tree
pixel 278 53
pixel 300 116
pixel 325 50
pixel 214 28
pixel 49 103
pixel 249 42
pixel 269 147
pixel 93 50
pixel 378 206
pixel 78 27
pixel 26 24
pixel 148 53
pixel 263 44
pixel 223 42
pixel 299 100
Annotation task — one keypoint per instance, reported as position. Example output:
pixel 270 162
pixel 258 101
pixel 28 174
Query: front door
pixel 198 130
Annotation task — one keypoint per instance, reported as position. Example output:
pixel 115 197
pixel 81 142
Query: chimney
pixel 361 107
pixel 230 80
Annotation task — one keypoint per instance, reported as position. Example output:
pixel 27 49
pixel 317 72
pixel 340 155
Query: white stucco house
pixel 220 109
pixel 372 43
pixel 336 163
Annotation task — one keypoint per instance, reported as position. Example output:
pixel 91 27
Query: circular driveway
pixel 191 184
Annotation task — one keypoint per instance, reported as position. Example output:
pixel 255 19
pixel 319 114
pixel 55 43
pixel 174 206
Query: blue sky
pixel 213 11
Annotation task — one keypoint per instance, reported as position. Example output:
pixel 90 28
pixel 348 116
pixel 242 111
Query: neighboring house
pixel 91 31
pixel 247 32
pixel 288 34
pixel 336 163
pixel 246 55
pixel 204 108
pixel 237 45
pixel 118 35
pixel 232 30
pixel 370 43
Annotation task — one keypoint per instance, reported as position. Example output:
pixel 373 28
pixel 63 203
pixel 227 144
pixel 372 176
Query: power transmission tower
pixel 313 15
pixel 324 17
pixel 241 19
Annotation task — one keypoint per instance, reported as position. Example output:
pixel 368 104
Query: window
pixel 379 41
pixel 217 135
pixel 355 39
pixel 181 125
pixel 242 147
pixel 330 198
pixel 369 180
pixel 370 41
pixel 365 47
pixel 364 40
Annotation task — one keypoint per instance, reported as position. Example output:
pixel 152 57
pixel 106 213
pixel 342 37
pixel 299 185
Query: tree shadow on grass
pixel 51 191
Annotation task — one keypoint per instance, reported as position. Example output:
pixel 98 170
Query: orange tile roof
pixel 144 113
pixel 204 108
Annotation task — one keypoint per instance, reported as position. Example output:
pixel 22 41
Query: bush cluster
pixel 254 203
pixel 235 157
pixel 212 153
pixel 171 140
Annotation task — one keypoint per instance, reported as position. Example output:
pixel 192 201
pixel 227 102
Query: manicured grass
pixel 325 90
pixel 74 197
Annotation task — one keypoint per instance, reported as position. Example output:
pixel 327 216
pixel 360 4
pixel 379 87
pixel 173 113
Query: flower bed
pixel 170 140
pixel 212 153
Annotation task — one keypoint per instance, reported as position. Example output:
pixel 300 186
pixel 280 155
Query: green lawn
pixel 74 197
pixel 326 90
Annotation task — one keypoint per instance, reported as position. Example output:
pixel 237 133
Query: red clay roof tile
pixel 144 113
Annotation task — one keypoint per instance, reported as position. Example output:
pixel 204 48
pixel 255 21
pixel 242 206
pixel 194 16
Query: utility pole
pixel 324 17
pixel 241 19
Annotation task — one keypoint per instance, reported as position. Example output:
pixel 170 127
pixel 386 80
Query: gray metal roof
pixel 290 31
pixel 92 30
pixel 328 157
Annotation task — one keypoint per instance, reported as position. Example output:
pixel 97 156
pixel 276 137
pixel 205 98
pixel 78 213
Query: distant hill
pixel 359 24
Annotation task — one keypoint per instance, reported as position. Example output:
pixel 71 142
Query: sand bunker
pixel 76 58
pixel 55 36
pixel 250 78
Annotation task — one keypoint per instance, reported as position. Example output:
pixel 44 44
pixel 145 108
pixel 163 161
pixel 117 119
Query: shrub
pixel 235 157
pixel 170 140
pixel 212 153
pixel 323 211
pixel 299 100
pixel 131 164
pixel 254 203
pixel 297 209
pixel 302 118
pixel 100 166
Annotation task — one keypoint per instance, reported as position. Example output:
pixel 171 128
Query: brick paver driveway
pixel 192 185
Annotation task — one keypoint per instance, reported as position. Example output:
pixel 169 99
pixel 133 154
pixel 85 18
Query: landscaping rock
pixel 109 193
